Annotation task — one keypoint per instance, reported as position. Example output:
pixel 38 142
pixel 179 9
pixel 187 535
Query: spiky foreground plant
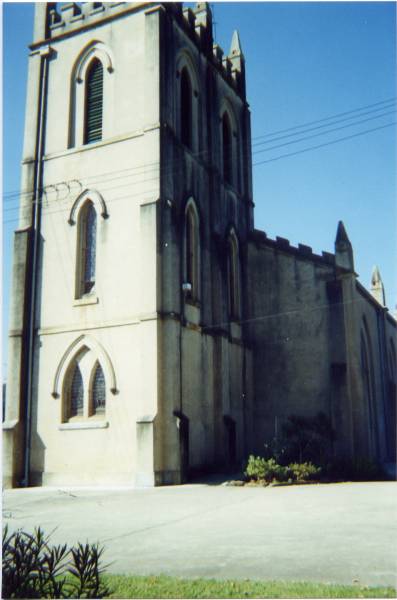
pixel 34 569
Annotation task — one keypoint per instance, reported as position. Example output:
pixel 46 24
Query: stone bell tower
pixel 128 363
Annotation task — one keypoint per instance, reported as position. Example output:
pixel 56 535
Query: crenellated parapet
pixel 301 251
pixel 197 22
pixel 71 16
pixel 60 19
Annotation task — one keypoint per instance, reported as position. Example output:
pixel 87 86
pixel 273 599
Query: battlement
pixel 198 23
pixel 302 251
pixel 68 17
pixel 54 20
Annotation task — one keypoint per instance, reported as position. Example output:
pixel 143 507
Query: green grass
pixel 124 586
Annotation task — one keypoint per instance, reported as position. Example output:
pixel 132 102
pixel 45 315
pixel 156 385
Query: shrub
pixel 304 471
pixel 33 569
pixel 259 468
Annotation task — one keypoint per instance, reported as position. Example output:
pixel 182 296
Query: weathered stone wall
pixel 307 319
pixel 289 332
pixel 207 381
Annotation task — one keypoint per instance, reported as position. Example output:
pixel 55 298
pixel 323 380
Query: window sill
pixel 9 425
pixel 85 300
pixel 84 425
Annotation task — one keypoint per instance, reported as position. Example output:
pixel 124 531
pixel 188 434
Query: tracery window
pixel 84 388
pixel 98 392
pixel 94 103
pixel 76 401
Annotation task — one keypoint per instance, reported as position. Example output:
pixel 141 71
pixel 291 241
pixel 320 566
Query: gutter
pixel 36 222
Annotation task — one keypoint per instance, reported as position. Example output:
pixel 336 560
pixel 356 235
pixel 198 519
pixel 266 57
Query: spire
pixel 377 287
pixel 235 48
pixel 341 235
pixel 343 249
pixel 236 58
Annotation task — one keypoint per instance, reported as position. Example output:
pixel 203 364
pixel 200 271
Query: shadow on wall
pixel 37 467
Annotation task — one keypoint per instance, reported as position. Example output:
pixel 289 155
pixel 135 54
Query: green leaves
pixel 260 469
pixel 34 569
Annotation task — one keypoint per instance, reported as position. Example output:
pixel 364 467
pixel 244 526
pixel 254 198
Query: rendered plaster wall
pixel 120 314
pixel 12 447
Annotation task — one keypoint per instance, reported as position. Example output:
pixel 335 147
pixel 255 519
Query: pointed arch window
pixel 86 249
pixel 227 148
pixel 84 388
pixel 76 400
pixel 233 271
pixel 186 109
pixel 192 252
pixel 94 103
pixel 98 391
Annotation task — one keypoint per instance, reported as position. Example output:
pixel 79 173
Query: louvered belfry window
pixel 98 391
pixel 76 393
pixel 94 103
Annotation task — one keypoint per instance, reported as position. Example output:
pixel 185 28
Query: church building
pixel 154 331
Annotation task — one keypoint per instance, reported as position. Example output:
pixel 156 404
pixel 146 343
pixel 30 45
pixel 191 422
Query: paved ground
pixel 331 533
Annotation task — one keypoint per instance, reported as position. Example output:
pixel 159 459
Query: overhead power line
pixel 314 135
pixel 145 191
pixel 171 168
pixel 342 114
pixel 12 195
pixel 348 137
pixel 363 114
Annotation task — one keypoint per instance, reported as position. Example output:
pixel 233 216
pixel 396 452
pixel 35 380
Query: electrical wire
pixel 142 192
pixel 282 137
pixel 7 196
pixel 349 137
pixel 314 135
pixel 172 168
pixel 342 114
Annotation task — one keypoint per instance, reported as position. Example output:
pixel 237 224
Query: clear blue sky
pixel 305 61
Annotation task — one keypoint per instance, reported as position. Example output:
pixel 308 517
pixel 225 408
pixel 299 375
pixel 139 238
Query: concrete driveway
pixel 332 533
